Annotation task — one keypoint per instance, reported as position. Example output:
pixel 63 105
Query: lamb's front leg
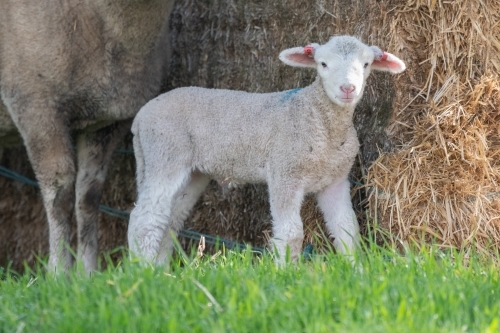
pixel 288 230
pixel 335 203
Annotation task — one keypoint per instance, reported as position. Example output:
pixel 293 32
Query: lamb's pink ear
pixel 388 62
pixel 300 56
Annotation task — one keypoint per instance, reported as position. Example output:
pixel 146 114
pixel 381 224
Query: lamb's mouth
pixel 347 100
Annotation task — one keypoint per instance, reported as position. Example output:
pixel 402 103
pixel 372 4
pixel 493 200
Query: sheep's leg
pixel 335 203
pixel 150 218
pixel 95 150
pixel 183 203
pixel 287 224
pixel 49 148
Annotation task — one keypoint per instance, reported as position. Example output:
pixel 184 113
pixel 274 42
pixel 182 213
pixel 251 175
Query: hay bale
pixel 23 229
pixel 442 182
pixel 235 45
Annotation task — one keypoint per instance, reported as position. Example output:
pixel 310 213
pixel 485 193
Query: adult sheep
pixel 77 69
pixel 298 141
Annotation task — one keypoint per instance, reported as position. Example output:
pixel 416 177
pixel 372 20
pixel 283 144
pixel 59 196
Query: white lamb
pixel 297 141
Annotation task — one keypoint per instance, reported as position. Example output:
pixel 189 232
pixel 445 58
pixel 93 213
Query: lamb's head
pixel 343 64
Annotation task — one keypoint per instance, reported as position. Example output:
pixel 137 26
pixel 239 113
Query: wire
pixel 124 215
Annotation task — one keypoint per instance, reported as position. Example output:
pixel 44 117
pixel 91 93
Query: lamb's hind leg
pixel 287 225
pixel 150 218
pixel 183 203
pixel 95 150
pixel 335 203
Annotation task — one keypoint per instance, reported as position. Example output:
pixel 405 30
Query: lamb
pixel 298 142
pixel 77 69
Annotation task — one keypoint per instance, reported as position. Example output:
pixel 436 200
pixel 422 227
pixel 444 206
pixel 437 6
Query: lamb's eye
pixel 366 65
pixel 323 64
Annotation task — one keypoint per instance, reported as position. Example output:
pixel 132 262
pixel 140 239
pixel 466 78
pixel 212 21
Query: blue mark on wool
pixel 288 94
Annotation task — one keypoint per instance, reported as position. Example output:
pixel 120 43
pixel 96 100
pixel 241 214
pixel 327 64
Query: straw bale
pixel 23 230
pixel 441 183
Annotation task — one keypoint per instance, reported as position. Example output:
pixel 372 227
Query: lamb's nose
pixel 347 88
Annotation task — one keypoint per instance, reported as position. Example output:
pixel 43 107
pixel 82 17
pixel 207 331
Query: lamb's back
pixel 229 133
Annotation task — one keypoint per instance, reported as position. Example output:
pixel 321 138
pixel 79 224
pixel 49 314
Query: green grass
pixel 236 292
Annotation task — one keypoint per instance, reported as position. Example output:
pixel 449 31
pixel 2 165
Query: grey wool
pixel 76 73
